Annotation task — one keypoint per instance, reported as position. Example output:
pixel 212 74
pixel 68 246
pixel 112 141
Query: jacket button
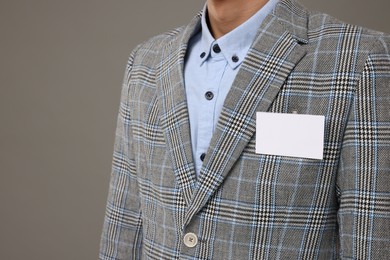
pixel 209 95
pixel 190 240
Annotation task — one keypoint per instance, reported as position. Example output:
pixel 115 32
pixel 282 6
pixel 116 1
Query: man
pixel 192 176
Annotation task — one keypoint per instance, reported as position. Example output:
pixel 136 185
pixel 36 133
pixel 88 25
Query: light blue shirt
pixel 210 68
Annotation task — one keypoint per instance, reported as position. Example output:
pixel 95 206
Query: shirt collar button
pixel 216 48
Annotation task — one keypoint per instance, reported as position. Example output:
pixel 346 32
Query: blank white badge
pixel 293 135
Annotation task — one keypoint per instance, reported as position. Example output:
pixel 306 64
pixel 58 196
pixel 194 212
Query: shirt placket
pixel 215 67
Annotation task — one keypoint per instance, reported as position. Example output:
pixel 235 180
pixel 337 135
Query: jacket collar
pixel 294 18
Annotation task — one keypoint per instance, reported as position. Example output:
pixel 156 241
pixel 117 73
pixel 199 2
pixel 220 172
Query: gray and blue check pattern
pixel 245 205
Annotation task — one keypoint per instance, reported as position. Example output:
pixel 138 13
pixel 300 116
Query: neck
pixel 225 15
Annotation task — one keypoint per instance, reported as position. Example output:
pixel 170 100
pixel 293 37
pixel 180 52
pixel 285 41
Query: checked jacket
pixel 245 205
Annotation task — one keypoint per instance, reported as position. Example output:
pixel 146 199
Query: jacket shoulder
pixel 163 39
pixel 323 26
pixel 149 51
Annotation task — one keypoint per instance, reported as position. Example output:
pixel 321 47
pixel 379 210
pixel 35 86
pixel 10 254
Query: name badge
pixel 294 135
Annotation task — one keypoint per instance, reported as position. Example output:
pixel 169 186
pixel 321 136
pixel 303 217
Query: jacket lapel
pixel 173 106
pixel 275 52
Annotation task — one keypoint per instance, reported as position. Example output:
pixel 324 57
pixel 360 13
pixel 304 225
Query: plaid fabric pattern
pixel 246 205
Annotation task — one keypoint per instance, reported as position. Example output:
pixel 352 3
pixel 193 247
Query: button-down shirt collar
pixel 237 42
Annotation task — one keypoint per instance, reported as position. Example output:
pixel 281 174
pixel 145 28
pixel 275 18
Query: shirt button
pixel 235 58
pixel 216 48
pixel 202 156
pixel 190 240
pixel 209 95
pixel 202 54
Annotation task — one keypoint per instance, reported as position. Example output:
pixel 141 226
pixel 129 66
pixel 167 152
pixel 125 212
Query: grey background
pixel 61 67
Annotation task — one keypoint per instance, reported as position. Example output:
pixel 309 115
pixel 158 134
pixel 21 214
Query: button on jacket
pixel 245 205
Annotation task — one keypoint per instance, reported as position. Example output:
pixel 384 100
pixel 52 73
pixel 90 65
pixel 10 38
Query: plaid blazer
pixel 246 205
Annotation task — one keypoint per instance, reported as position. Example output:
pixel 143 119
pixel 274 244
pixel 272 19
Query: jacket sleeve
pixel 364 171
pixel 122 229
